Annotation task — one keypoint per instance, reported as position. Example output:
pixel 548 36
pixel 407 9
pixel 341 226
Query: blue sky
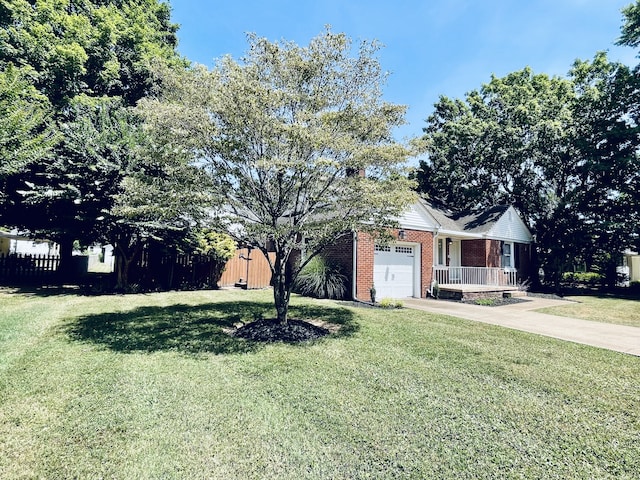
pixel 432 47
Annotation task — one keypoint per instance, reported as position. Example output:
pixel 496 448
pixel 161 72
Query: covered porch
pixel 464 283
pixel 485 276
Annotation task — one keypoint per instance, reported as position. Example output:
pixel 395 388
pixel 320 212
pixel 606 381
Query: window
pixel 404 249
pixel 382 248
pixel 440 251
pixel 507 255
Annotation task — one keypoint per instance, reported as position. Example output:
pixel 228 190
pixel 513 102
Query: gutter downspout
pixel 434 250
pixel 354 288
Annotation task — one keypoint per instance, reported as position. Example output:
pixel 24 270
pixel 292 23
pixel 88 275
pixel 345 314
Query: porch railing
pixel 475 276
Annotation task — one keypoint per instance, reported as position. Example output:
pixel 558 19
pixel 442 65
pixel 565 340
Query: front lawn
pixel 151 386
pixel 600 309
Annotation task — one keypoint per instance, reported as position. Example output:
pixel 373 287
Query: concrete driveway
pixel 520 316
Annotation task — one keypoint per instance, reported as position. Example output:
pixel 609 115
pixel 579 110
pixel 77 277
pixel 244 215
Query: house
pixel 14 243
pixel 489 249
pixel 630 267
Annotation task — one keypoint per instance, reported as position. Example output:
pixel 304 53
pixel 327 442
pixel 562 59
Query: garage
pixel 394 271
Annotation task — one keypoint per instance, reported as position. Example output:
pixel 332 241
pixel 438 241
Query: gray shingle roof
pixel 467 222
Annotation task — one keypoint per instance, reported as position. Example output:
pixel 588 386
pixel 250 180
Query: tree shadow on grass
pixel 193 330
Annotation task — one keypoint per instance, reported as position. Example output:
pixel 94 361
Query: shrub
pixel 488 302
pixel 220 247
pixel 590 279
pixel 321 279
pixel 390 303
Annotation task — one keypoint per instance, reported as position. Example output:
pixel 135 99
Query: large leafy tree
pixel 299 143
pixel 563 151
pixel 92 47
pixel 504 143
pixel 25 134
pixel 84 57
pixel 115 184
pixel 607 141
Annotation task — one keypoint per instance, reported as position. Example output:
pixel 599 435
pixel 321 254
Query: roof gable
pixel 500 222
pixel 509 226
pixel 417 217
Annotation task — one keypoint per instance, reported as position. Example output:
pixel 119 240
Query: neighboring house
pixel 490 248
pixel 14 243
pixel 630 267
pixel 101 258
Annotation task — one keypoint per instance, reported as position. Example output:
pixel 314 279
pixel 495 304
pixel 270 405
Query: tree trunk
pixel 281 291
pixel 122 271
pixel 65 268
pixel 124 259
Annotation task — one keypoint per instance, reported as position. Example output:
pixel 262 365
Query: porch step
pixel 515 293
pixel 472 292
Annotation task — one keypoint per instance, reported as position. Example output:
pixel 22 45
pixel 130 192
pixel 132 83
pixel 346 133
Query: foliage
pixel 91 61
pixel 499 145
pixel 25 133
pixel 487 302
pixel 220 247
pixel 591 279
pixel 96 48
pixel 320 279
pixel 285 134
pixel 631 26
pixel 390 303
pixel 216 244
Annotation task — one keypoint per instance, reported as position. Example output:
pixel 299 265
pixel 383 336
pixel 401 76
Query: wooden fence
pixel 199 271
pixel 247 268
pixel 22 267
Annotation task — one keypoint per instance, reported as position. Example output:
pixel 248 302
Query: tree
pixel 163 197
pixel 631 26
pixel 505 143
pixel 219 247
pixel 82 56
pixel 97 48
pixel 25 135
pixel 286 134
pixel 607 142
pixel 562 151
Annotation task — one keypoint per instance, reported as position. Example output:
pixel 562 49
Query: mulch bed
pixel 294 331
pixel 497 302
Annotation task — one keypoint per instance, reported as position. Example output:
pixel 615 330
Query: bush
pixel 220 247
pixel 488 302
pixel 320 279
pixel 390 303
pixel 590 279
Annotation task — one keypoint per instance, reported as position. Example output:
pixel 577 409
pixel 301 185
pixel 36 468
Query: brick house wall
pixel 474 253
pixel 481 253
pixel 364 273
pixel 340 253
pixel 494 254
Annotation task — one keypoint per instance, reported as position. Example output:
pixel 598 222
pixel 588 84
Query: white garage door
pixel 393 271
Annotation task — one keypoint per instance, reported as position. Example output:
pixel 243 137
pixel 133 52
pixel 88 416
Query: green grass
pixel 150 386
pixel 600 309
